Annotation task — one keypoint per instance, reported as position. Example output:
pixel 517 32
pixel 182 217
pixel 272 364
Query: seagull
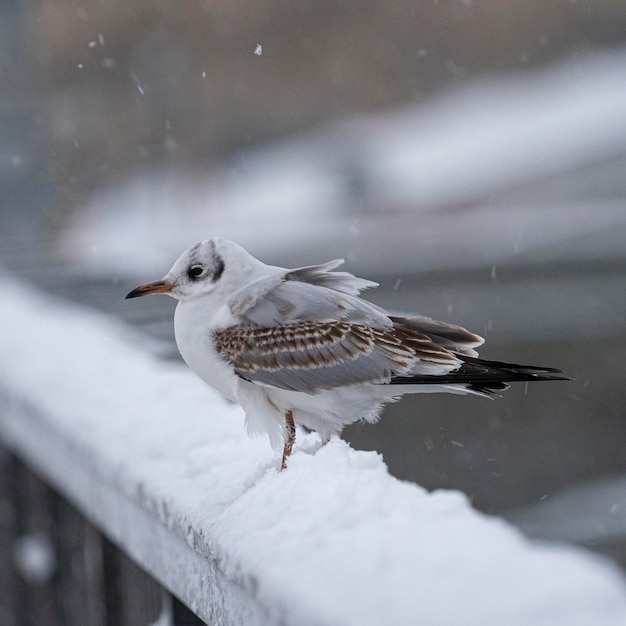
pixel 300 346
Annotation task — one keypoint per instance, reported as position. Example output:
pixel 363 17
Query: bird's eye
pixel 195 271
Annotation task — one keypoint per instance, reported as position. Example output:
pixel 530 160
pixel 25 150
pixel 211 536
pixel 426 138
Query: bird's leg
pixel 291 437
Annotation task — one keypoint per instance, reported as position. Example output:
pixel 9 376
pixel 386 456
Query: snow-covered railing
pixel 163 466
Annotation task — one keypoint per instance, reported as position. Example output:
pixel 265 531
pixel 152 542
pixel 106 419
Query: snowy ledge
pixel 164 468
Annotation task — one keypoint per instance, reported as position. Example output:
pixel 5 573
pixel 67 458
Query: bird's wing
pixel 324 276
pixel 313 293
pixel 455 338
pixel 306 329
pixel 310 356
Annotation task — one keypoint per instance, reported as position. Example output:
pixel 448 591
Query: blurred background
pixel 470 155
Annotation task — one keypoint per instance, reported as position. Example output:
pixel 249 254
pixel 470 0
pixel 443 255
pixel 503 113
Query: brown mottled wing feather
pixel 313 355
pixel 450 336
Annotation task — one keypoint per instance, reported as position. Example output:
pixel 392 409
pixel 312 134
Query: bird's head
pixel 198 270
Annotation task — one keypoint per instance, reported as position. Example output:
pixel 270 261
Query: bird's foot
pixel 290 427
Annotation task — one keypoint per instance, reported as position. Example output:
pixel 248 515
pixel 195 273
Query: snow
pixel 34 558
pixel 163 464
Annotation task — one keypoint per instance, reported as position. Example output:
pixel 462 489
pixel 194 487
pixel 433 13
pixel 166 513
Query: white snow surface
pixel 164 466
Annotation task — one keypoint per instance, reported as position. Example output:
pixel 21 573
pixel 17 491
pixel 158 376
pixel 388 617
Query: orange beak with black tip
pixel 158 286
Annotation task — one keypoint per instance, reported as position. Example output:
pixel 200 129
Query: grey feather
pixel 323 276
pixel 286 297
pixel 252 293
pixel 450 336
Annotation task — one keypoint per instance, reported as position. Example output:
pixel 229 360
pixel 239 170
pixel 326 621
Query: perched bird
pixel 299 346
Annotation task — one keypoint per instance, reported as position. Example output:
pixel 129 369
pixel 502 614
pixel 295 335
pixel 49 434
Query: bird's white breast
pixel 194 324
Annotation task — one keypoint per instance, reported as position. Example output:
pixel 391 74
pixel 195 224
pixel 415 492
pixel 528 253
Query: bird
pixel 301 346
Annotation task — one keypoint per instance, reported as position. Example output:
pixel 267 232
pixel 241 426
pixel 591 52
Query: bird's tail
pixel 484 377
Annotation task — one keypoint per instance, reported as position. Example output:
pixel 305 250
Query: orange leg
pixel 291 437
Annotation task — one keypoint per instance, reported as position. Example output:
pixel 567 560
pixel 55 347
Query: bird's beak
pixel 158 286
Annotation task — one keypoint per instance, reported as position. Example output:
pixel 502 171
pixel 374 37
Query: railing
pixel 62 571
pixel 163 469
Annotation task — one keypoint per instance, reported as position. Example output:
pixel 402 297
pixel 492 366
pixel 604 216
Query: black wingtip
pixel 513 372
pixel 488 377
